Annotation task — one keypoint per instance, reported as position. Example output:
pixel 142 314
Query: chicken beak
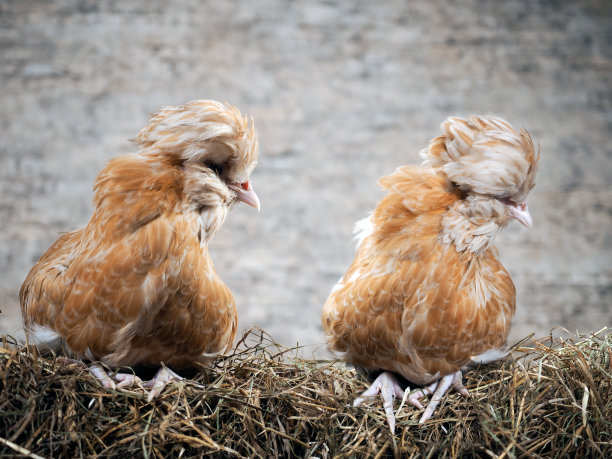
pixel 245 193
pixel 521 213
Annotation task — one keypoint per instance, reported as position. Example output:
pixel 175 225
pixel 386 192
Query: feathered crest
pixel 201 129
pixel 486 155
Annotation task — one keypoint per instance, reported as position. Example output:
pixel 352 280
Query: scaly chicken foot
pixel 108 379
pixel 163 376
pixel 438 389
pixel 112 380
pixel 387 385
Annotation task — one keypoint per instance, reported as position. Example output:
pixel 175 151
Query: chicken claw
pixel 438 389
pixel 387 385
pixel 160 380
pixel 108 379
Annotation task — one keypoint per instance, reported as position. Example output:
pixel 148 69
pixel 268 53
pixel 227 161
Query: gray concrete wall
pixel 342 93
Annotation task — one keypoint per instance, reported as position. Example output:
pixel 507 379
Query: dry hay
pixel 554 400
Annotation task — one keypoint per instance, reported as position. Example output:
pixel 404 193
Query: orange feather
pixel 137 284
pixel 426 293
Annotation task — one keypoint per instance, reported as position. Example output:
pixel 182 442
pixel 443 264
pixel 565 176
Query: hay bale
pixel 263 400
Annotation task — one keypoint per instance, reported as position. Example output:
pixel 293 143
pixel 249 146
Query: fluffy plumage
pixel 426 294
pixel 137 285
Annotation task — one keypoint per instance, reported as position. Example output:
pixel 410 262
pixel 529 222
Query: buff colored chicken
pixel 136 286
pixel 426 294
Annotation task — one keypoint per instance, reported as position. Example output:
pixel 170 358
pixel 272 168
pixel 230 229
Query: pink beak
pixel 244 192
pixel 520 212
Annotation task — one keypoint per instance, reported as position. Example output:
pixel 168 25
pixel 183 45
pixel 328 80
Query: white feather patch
pixel 39 334
pixel 363 229
pixel 338 285
pixel 490 356
pixel 44 338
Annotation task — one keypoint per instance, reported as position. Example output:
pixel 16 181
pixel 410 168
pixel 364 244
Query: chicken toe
pixel 442 386
pixel 107 379
pixel 387 385
pixel 160 380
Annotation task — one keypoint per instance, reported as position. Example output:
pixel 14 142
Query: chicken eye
pixel 506 200
pixel 245 185
pixel 216 168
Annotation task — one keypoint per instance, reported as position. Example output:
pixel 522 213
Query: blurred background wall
pixel 342 93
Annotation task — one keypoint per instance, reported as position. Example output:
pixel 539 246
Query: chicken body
pixel 137 286
pixel 426 294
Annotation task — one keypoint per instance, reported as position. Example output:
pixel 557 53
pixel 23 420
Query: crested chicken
pixel 136 286
pixel 426 295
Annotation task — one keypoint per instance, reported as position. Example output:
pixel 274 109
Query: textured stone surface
pixel 342 93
